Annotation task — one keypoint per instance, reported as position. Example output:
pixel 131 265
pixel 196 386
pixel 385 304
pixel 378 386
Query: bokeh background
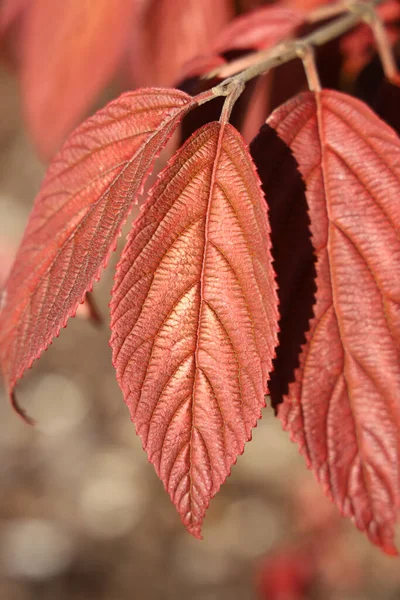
pixel 82 513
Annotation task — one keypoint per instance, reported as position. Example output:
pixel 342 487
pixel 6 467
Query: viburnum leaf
pixel 344 407
pixel 70 51
pixel 170 32
pixel 85 198
pixel 194 317
pixel 261 28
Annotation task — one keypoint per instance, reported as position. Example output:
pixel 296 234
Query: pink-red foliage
pixel 194 317
pixel 85 198
pixel 198 338
pixel 343 409
pixel 60 40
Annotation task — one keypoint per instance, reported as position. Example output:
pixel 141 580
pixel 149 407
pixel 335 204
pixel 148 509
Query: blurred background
pixel 82 513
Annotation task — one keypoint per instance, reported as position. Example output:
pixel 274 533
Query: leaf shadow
pixel 382 95
pixel 292 251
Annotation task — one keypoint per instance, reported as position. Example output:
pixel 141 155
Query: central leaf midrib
pixel 201 304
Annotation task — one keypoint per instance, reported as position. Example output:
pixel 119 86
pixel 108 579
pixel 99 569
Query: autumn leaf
pixel 70 51
pixel 168 33
pixel 85 198
pixel 193 316
pixel 259 29
pixel 344 407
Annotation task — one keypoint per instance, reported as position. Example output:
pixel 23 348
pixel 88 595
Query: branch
pixel 265 60
pixel 374 21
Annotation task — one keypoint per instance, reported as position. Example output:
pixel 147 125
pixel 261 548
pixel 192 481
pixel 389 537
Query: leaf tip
pixel 19 410
pixel 194 530
pixel 390 549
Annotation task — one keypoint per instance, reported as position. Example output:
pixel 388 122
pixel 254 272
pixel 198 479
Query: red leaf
pixel 9 12
pixel 172 32
pixel 344 410
pixel 194 315
pixel 71 49
pixel 358 45
pixel 85 198
pixel 261 28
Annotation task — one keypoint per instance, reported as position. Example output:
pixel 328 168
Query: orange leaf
pixel 85 198
pixel 344 407
pixel 194 314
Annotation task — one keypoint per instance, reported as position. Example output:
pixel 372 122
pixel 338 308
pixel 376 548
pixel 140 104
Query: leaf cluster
pixel 270 269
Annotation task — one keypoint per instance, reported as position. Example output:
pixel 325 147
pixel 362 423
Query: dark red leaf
pixel 70 51
pixel 85 198
pixel 344 408
pixel 194 317
pixel 359 45
pixel 260 29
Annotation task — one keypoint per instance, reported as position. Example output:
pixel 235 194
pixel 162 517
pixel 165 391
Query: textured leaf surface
pixel 344 408
pixel 85 198
pixel 70 51
pixel 172 32
pixel 194 315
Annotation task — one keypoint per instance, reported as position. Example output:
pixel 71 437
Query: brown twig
pixel 307 56
pixel 265 60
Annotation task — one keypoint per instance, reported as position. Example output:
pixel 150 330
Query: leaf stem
pixel 327 12
pixel 374 21
pixel 307 56
pixel 236 89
